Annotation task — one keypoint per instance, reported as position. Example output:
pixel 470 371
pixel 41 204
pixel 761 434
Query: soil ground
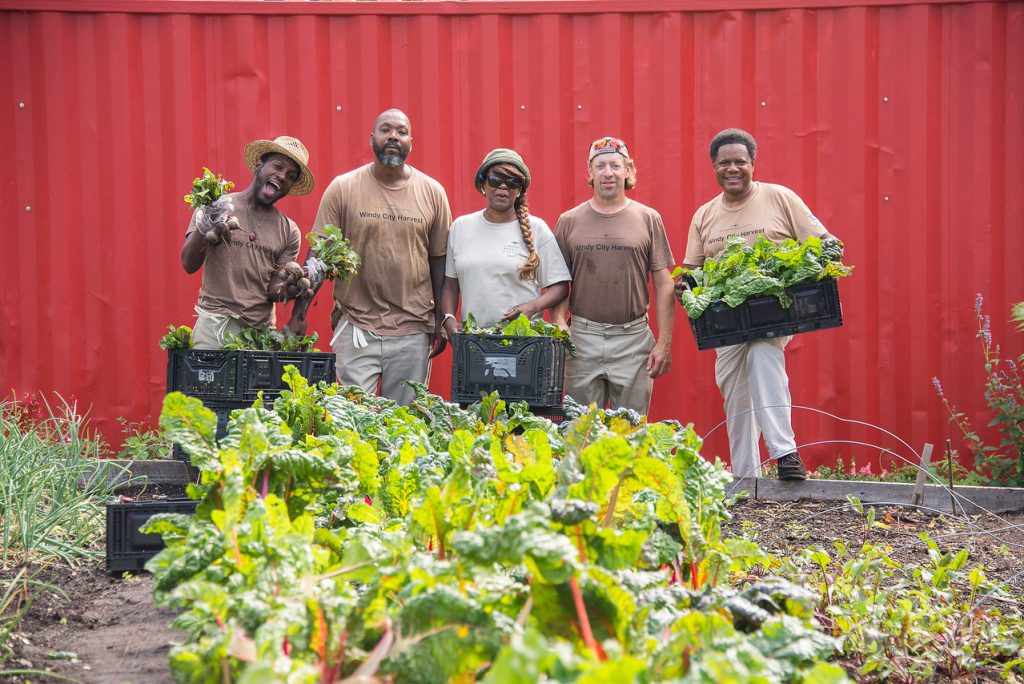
pixel 108 630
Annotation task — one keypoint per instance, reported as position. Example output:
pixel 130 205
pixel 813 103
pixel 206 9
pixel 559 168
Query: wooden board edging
pixel 969 500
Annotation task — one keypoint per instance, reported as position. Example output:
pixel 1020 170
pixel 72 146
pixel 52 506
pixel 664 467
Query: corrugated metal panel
pixel 896 122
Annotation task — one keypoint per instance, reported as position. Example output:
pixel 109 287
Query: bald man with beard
pixel 386 320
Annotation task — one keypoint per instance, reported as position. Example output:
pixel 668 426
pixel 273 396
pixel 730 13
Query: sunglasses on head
pixel 511 182
pixel 611 143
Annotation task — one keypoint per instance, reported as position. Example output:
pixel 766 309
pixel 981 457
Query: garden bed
pixel 116 633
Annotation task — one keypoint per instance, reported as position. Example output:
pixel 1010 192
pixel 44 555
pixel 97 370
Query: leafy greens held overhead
pixel 521 327
pixel 207 188
pixel 334 249
pixel 762 269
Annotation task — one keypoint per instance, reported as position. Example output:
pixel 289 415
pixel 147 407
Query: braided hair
pixel 528 271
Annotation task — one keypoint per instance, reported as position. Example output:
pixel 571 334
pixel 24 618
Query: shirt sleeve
pixel 192 227
pixel 661 250
pixel 694 245
pixel 442 224
pixel 450 263
pixel 332 208
pixel 805 223
pixel 562 229
pixel 291 250
pixel 552 264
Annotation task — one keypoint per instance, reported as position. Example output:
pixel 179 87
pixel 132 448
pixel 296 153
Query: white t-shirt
pixel 486 257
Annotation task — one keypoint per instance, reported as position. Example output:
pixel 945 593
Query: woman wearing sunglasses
pixel 501 260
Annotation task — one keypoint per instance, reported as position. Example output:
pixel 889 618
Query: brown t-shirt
pixel 236 273
pixel 393 231
pixel 609 257
pixel 772 210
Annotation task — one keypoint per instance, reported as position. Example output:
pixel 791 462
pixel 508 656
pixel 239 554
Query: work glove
pixel 216 220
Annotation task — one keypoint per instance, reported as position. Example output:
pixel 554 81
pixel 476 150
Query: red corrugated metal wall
pixel 899 123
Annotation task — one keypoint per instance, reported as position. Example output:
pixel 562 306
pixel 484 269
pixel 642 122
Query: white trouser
pixel 754 384
pixel 375 361
pixel 208 332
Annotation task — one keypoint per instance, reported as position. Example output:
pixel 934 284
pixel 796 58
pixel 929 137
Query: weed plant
pixel 142 442
pixel 1004 393
pixel 938 472
pixel 52 486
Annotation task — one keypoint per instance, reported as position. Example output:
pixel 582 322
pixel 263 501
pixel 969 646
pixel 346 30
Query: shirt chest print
pixel 512 249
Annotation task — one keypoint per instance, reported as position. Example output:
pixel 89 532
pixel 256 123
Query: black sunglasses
pixel 510 182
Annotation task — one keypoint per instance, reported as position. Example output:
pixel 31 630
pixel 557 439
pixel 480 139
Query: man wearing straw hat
pixel 386 320
pixel 240 282
pixel 611 243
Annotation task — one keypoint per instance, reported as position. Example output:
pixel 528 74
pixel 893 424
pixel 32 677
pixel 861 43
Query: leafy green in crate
pixel 177 338
pixel 521 327
pixel 741 271
pixel 266 338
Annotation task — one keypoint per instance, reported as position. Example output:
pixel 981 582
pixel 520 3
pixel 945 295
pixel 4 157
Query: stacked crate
pixel 518 368
pixel 226 379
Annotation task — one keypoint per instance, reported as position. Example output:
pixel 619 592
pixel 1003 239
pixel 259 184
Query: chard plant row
pixel 343 538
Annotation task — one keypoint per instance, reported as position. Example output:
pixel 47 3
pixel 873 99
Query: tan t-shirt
pixel 236 273
pixel 772 210
pixel 393 231
pixel 609 257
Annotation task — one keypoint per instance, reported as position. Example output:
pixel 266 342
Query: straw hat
pixel 501 156
pixel 289 147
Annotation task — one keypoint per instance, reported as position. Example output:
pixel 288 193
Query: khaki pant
pixel 378 362
pixel 209 330
pixel 754 384
pixel 610 366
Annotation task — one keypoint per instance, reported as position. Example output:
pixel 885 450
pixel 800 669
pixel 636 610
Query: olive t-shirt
pixel 393 231
pixel 610 257
pixel 236 273
pixel 772 210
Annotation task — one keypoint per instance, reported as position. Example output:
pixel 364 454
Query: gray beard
pixel 391 160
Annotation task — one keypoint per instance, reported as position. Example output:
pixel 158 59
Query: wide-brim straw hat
pixel 289 147
pixel 501 156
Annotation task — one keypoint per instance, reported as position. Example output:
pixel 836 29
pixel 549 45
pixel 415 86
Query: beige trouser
pixel 610 367
pixel 754 384
pixel 371 361
pixel 208 332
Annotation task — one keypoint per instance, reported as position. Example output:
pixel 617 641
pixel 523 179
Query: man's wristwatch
pixel 447 316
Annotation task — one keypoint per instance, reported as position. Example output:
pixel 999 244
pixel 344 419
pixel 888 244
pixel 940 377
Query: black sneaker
pixel 791 467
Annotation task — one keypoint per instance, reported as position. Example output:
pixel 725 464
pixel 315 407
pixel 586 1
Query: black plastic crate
pixel 128 549
pixel 530 369
pixel 262 371
pixel 223 411
pixel 204 373
pixel 815 307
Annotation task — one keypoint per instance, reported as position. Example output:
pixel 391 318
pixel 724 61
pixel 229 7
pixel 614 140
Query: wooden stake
pixel 922 475
pixel 949 464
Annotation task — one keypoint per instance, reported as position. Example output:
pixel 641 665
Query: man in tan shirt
pixel 752 376
pixel 611 243
pixel 240 283
pixel 386 320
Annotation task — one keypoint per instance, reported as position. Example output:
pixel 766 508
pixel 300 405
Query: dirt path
pixel 108 633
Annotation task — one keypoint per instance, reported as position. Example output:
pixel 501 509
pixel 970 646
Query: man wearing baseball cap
pixel 611 243
pixel 240 282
